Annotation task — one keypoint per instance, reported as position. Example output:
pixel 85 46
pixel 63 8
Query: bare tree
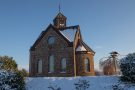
pixel 110 65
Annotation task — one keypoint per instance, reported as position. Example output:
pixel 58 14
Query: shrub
pixel 54 87
pixel 11 80
pixel 24 73
pixel 82 85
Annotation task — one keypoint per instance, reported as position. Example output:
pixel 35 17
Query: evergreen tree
pixel 10 77
pixel 127 66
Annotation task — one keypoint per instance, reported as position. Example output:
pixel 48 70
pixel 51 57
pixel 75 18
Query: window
pixel 51 64
pixel 51 40
pixel 39 66
pixel 87 65
pixel 63 65
pixel 62 23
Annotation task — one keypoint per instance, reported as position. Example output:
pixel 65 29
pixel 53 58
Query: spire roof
pixel 60 15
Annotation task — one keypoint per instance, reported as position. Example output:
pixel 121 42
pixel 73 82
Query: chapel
pixel 60 51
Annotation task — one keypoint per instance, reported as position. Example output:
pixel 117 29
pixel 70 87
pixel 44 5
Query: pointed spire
pixel 60 20
pixel 59 8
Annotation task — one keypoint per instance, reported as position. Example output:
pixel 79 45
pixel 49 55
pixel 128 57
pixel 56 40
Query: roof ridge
pixel 70 27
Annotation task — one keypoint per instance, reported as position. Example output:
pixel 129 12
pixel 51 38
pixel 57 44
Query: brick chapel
pixel 60 51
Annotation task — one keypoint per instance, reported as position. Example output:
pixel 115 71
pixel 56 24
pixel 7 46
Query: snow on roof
pixel 81 48
pixel 69 34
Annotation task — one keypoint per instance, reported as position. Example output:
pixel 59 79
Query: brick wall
pixel 80 63
pixel 60 50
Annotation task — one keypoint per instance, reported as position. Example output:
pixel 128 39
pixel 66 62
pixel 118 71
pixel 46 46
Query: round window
pixel 51 40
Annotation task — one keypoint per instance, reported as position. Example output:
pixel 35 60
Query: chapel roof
pixel 68 34
pixel 60 15
pixel 83 47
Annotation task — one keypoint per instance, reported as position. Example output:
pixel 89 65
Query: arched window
pixel 51 40
pixel 51 63
pixel 87 65
pixel 39 66
pixel 63 65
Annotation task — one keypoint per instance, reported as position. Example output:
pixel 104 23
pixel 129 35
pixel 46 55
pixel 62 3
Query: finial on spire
pixel 59 8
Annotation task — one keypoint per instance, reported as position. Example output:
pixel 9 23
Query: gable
pixel 83 47
pixel 87 47
pixel 43 33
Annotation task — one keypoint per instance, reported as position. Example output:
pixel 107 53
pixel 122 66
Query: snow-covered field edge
pixel 74 83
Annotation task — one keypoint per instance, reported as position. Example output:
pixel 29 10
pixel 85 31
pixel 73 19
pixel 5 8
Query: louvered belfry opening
pixel 60 21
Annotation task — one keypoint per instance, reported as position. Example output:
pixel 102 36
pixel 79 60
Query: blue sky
pixel 106 25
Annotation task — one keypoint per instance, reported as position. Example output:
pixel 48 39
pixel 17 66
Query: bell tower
pixel 60 21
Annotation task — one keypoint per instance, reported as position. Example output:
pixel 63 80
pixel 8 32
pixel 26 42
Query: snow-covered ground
pixel 72 83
